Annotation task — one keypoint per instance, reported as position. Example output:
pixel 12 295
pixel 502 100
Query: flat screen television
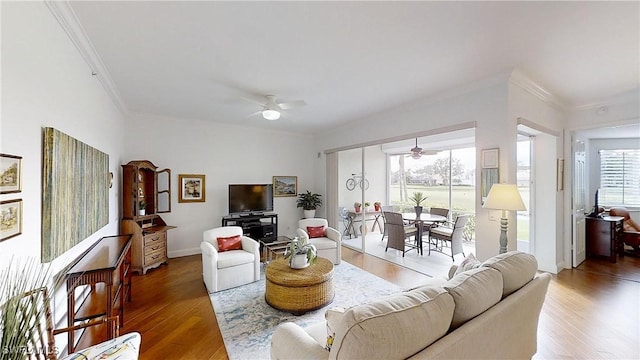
pixel 250 198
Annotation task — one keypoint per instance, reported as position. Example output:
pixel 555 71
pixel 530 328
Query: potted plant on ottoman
pixel 357 206
pixel 309 203
pixel 301 254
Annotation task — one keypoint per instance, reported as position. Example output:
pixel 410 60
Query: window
pixel 619 178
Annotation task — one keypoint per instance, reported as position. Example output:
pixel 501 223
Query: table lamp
pixel 504 197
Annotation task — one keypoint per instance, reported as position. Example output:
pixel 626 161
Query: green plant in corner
pixel 309 201
pixel 20 316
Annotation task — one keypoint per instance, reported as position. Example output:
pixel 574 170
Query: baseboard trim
pixel 184 252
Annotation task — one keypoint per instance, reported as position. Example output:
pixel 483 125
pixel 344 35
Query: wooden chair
pixel 453 235
pixel 35 309
pixel 630 231
pixel 399 233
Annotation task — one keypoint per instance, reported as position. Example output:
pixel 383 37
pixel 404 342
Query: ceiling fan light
pixel 416 155
pixel 271 114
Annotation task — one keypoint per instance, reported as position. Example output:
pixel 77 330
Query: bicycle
pixel 357 179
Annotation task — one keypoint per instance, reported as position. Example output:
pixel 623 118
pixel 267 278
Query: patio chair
pixel 441 235
pixel 399 235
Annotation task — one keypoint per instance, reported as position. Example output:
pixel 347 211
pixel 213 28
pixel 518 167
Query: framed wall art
pixel 490 158
pixel 10 218
pixel 192 188
pixel 10 173
pixel 285 186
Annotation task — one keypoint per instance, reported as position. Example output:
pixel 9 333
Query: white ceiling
pixel 351 59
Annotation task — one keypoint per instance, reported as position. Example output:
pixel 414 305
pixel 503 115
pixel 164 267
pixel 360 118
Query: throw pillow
pixel 470 262
pixel 229 243
pixel 333 316
pixel 315 231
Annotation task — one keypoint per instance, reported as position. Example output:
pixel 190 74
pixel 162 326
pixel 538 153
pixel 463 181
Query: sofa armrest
pixel 209 250
pixel 250 245
pixel 302 234
pixel 334 235
pixel 290 341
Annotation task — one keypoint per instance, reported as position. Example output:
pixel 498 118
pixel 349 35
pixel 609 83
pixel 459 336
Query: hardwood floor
pixel 590 312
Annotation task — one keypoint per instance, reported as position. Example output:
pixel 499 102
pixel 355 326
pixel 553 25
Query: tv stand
pixel 258 226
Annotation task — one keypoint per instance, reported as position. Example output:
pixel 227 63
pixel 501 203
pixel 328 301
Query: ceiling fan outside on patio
pixel 417 152
pixel 272 108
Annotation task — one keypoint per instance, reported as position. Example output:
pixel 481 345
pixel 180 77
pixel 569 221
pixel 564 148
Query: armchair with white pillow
pixel 327 240
pixel 229 258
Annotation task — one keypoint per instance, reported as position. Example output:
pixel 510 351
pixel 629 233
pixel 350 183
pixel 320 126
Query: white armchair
pixel 226 269
pixel 329 245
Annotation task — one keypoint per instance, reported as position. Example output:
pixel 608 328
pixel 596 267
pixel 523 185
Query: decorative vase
pixel 418 210
pixel 309 214
pixel 142 212
pixel 299 261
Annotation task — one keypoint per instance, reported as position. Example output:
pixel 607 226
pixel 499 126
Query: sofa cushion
pixel 517 269
pixel 473 291
pixel 395 327
pixel 229 243
pixel 333 317
pixel 234 258
pixel 470 262
pixel 323 243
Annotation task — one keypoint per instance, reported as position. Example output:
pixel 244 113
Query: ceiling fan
pixel 417 152
pixel 272 107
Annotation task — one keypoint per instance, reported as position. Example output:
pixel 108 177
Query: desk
pixel 424 218
pixel 354 217
pixel 604 236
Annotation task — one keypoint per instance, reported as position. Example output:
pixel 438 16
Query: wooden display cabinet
pixel 142 201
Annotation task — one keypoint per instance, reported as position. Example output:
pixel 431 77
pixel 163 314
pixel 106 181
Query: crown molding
pixel 623 98
pixel 68 20
pixel 521 80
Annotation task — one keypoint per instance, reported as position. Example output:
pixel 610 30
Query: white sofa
pixel 329 246
pixel 488 312
pixel 227 269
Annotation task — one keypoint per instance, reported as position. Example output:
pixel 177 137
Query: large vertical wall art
pixel 75 196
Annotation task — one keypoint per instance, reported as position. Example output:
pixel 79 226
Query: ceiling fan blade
pixel 255 113
pixel 261 103
pixel 285 105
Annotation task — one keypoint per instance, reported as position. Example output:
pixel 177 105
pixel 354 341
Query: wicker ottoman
pixel 299 290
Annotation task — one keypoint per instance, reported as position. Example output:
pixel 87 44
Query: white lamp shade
pixel 504 197
pixel 271 114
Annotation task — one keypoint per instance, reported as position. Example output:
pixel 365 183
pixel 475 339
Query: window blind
pixel 619 177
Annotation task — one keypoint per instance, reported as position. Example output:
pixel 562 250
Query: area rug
pixel 247 322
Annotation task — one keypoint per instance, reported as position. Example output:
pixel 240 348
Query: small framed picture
pixel 285 186
pixel 192 188
pixel 490 158
pixel 10 173
pixel 10 218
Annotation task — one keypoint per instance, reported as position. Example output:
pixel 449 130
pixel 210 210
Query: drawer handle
pixel 155 257
pixel 155 247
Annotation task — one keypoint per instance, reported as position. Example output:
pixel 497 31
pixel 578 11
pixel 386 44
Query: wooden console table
pixel 105 269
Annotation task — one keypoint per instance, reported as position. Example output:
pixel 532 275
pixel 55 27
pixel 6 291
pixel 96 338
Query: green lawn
pixel 463 197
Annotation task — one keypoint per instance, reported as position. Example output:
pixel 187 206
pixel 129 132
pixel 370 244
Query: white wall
pixel 46 83
pixel 225 154
pixel 541 113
